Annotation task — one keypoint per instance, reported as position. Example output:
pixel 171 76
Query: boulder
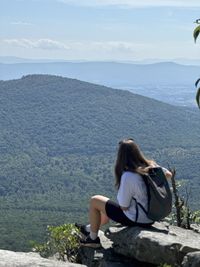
pixel 106 257
pixel 158 244
pixel 195 228
pixel 191 260
pixel 30 259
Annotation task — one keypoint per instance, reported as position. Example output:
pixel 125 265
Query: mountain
pixel 167 81
pixel 108 73
pixel 14 59
pixel 58 141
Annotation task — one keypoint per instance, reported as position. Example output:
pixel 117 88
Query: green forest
pixel 58 143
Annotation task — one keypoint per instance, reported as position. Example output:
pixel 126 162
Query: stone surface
pixel 106 257
pixel 192 260
pixel 195 228
pixel 158 244
pixel 125 247
pixel 30 259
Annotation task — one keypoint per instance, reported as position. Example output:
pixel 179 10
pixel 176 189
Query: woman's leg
pixel 104 219
pixel 97 212
pixel 97 217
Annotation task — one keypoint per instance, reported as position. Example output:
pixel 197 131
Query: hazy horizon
pixel 15 60
pixel 93 30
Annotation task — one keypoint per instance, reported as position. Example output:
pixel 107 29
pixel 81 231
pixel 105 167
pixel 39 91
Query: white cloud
pixel 39 44
pixel 107 46
pixel 78 49
pixel 98 50
pixel 134 3
pixel 110 50
pixel 21 23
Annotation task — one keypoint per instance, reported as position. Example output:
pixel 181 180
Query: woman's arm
pixel 123 208
pixel 167 173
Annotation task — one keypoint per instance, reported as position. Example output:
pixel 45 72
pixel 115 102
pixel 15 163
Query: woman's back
pixel 132 186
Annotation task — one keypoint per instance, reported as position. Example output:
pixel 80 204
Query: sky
pixel 111 30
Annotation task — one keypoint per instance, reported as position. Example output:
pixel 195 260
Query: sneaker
pixel 82 230
pixel 88 242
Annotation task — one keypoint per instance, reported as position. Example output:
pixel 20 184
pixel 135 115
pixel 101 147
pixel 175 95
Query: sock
pixel 87 228
pixel 93 235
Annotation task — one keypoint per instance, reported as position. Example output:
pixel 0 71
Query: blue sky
pixel 99 29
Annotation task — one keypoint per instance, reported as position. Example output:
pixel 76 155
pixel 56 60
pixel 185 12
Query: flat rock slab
pixel 30 259
pixel 106 257
pixel 161 243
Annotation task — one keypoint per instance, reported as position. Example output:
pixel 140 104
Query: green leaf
pixel 196 83
pixel 196 33
pixel 198 97
pixel 197 21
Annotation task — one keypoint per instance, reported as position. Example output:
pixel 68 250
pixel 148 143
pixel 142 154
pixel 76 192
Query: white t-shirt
pixel 132 185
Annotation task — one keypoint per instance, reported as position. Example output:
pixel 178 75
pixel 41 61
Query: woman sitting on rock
pixel 129 166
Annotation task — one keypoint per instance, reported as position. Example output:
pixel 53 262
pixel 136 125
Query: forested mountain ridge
pixel 36 101
pixel 58 142
pixel 165 81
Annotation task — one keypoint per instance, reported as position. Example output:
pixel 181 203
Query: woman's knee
pixel 98 202
pixel 94 200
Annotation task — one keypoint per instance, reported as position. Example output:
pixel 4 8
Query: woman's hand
pixel 123 208
pixel 168 174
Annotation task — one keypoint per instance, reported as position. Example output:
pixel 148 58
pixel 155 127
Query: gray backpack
pixel 159 195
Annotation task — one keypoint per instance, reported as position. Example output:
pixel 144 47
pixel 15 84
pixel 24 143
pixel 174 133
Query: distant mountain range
pixel 108 73
pixel 167 81
pixel 58 142
pixel 13 60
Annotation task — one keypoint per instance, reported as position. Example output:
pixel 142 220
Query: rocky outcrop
pixel 106 257
pixel 158 244
pixel 136 246
pixel 126 247
pixel 31 259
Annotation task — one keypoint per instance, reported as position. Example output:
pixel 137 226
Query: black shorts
pixel 115 213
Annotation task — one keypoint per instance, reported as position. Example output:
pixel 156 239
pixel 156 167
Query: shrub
pixel 62 240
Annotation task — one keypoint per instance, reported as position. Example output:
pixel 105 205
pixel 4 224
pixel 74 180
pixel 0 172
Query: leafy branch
pixel 196 30
pixel 195 36
pixel 198 93
pixel 62 240
pixel 184 216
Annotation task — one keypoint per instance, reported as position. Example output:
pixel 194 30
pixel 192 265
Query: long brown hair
pixel 130 158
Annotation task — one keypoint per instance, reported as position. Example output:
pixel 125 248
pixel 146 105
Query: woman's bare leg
pixel 97 208
pixel 104 219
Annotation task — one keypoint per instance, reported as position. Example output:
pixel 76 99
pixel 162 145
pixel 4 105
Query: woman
pixel 129 166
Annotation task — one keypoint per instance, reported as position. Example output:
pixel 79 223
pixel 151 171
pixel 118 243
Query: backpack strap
pixel 142 207
pixel 136 207
pixel 145 179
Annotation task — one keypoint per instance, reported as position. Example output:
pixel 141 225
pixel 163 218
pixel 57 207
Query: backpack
pixel 158 193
